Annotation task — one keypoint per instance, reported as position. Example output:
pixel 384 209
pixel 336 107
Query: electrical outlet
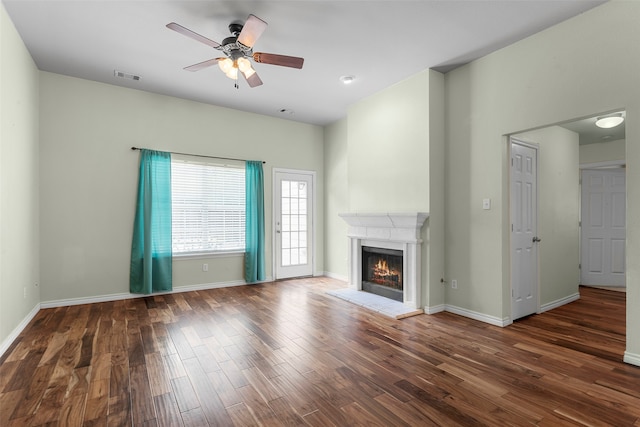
pixel 454 284
pixel 205 267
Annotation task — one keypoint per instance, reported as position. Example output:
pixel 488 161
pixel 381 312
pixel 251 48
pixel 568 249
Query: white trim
pixel 128 295
pixel 559 302
pixel 435 309
pixel 492 320
pixel 607 164
pixel 18 329
pixel 208 255
pixel 631 358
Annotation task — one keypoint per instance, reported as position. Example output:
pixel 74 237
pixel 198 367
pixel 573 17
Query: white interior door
pixel 293 224
pixel 603 227
pixel 524 230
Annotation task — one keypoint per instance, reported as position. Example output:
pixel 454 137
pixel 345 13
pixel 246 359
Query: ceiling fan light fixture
pixel 610 121
pixel 232 73
pixel 225 65
pixel 244 65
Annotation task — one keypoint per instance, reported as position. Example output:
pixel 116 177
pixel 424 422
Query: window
pixel 208 207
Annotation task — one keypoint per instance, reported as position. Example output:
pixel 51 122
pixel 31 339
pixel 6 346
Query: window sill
pixel 208 255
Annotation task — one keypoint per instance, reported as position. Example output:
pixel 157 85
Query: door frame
pixel 510 141
pixel 314 211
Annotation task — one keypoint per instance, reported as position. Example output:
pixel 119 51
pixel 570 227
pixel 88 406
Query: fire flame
pixel 381 269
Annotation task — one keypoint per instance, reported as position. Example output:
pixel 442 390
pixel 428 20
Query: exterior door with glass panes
pixel 293 224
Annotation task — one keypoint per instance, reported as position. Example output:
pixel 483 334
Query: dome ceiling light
pixel 610 121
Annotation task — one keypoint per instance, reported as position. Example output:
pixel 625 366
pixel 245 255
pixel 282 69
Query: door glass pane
pixel 286 223
pixel 286 206
pixel 294 222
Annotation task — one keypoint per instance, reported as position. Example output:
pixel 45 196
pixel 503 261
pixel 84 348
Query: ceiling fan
pixel 239 50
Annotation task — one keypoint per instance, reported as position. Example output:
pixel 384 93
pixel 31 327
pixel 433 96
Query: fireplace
pixel 394 234
pixel 382 272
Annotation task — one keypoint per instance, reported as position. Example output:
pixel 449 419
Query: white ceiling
pixel 380 42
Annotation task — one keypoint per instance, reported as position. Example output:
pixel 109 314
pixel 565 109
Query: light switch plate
pixel 486 204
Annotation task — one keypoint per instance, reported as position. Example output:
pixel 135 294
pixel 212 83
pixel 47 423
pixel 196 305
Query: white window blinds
pixel 208 207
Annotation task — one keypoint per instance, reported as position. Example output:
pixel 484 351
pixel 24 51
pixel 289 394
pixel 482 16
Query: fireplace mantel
pixel 399 227
pixel 393 231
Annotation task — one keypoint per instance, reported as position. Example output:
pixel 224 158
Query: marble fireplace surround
pixel 400 231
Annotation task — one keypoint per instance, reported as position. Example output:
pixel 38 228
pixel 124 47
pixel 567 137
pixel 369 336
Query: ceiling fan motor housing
pixel 235 28
pixel 234 49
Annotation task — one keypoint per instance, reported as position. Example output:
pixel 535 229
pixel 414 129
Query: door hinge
pixel 580 266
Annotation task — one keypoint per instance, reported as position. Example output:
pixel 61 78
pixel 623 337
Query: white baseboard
pixel 632 358
pixel 435 309
pixel 492 320
pixel 557 303
pixel 18 330
pixel 128 295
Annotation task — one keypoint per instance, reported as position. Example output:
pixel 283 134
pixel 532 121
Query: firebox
pixel 382 272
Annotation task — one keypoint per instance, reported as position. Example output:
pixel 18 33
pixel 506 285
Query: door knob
pixel 536 239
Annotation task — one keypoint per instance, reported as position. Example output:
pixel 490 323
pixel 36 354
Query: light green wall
pixel 19 235
pixel 388 149
pixel 603 152
pixel 89 177
pixel 336 199
pixel 435 241
pixel 388 156
pixel 551 77
pixel 558 212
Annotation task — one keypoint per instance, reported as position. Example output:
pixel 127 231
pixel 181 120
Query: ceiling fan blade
pixel 251 31
pixel 199 66
pixel 187 32
pixel 282 60
pixel 253 79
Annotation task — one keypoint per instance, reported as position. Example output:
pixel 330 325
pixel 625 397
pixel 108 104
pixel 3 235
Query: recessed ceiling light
pixel 609 121
pixel 347 79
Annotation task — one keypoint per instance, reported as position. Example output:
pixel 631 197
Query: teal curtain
pixel 151 254
pixel 254 223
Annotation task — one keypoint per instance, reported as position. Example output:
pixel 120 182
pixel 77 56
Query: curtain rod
pixel 200 155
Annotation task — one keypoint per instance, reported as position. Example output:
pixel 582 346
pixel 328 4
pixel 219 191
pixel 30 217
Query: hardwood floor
pixel 286 353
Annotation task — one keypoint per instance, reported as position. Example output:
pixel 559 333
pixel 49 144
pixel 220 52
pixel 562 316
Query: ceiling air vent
pixel 125 75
